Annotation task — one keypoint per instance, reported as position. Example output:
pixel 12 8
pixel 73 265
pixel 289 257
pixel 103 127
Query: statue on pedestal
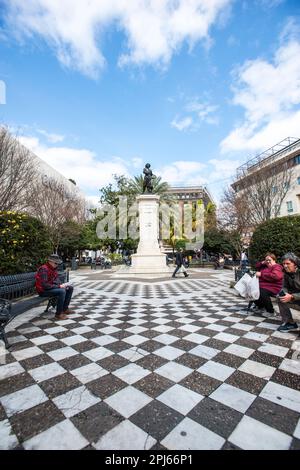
pixel 147 183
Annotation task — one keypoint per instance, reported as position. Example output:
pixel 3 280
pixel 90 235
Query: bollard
pixel 73 264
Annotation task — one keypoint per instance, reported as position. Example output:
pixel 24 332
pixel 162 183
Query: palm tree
pixel 159 187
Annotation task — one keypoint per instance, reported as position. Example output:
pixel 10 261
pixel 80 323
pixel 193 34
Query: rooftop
pixel 283 148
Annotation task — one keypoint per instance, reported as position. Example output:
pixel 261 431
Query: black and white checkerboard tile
pixel 151 369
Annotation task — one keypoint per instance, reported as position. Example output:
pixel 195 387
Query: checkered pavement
pixel 171 365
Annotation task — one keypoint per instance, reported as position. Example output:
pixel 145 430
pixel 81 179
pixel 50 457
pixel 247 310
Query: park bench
pixel 18 286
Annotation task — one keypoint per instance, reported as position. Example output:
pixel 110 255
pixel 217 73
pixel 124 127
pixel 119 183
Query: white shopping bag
pixel 181 269
pixel 253 288
pixel 248 287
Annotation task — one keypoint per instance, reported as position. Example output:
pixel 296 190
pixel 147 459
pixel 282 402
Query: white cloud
pixel 137 162
pixel 81 165
pixel 222 169
pixel 183 173
pixel 269 92
pixel 198 112
pixel 52 138
pixel 182 124
pixel 155 29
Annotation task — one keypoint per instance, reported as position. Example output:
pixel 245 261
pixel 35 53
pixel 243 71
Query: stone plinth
pixel 148 258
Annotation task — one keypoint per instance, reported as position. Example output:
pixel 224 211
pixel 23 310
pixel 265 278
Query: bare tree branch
pixel 17 170
pixel 54 205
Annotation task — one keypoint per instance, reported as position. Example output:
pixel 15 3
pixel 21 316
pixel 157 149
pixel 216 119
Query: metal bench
pixel 17 286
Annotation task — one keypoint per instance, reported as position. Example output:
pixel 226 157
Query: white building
pixel 286 151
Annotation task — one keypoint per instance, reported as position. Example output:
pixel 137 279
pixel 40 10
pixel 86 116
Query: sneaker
pixel 259 312
pixel 288 327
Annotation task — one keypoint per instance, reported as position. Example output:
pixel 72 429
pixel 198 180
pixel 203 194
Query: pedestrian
pixel 244 259
pixel 179 263
pixel 48 284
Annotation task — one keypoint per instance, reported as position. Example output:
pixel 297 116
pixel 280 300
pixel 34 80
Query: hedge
pixel 277 236
pixel 24 243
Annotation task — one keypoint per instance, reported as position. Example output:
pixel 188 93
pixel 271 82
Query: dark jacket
pixel 291 284
pixel 179 259
pixel 46 278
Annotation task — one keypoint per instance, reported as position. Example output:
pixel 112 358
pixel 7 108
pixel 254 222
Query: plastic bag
pixel 248 287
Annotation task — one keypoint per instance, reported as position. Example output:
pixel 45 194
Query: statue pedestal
pixel 148 259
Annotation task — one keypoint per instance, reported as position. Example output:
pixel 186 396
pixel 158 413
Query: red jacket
pixel 271 277
pixel 46 278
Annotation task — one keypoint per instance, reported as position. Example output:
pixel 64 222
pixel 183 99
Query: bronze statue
pixel 147 183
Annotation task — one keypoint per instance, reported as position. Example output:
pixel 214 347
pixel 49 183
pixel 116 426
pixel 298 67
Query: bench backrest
pixel 20 285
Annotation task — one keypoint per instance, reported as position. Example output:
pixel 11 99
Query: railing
pixel 268 156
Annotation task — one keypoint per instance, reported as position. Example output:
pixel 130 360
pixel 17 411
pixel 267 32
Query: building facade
pixel 284 156
pixel 190 193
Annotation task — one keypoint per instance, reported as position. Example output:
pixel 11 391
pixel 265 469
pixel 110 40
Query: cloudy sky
pixel 195 87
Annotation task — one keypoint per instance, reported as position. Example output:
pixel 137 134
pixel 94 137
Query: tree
pixel 129 188
pixel 24 243
pixel 17 171
pixel 219 241
pixel 54 205
pixel 234 217
pixel 264 190
pixel 277 236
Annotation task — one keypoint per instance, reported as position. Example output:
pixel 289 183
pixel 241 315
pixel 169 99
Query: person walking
pixel 179 263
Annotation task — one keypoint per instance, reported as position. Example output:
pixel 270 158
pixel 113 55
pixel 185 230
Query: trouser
pixel 63 297
pixel 264 300
pixel 285 310
pixel 182 268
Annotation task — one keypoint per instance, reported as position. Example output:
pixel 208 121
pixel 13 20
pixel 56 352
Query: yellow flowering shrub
pixel 24 243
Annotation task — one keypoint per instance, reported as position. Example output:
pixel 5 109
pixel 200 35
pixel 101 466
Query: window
pixel 289 206
pixel 298 180
pixel 286 185
pixel 274 189
pixel 297 160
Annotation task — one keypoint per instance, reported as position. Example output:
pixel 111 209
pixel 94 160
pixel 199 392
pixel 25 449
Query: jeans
pixel 63 297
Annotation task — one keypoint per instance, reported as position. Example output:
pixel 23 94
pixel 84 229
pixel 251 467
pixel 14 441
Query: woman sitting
pixel 270 277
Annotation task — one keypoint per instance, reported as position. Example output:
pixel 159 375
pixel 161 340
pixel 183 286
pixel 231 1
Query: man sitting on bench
pixel 290 293
pixel 47 284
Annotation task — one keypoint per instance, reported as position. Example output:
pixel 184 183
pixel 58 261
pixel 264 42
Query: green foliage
pixel 24 243
pixel 180 244
pixel 72 239
pixel 277 236
pixel 219 241
pixel 130 188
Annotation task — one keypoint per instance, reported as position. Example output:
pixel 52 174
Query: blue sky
pixel 195 87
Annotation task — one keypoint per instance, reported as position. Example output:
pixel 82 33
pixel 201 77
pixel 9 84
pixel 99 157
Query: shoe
pixel 61 316
pixel 186 275
pixel 173 276
pixel 68 311
pixel 288 327
pixel 258 312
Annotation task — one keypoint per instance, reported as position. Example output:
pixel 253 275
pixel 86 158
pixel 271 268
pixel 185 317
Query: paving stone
pixel 175 357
